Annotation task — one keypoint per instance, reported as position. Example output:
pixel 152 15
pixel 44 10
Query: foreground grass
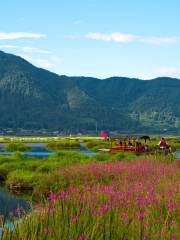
pixel 136 199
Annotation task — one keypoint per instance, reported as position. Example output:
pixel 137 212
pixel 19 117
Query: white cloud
pixel 55 59
pixel 146 76
pixel 78 22
pixel 44 63
pixel 20 35
pixel 114 37
pixel 160 40
pixel 49 63
pixel 26 49
pixel 168 71
pixel 7 46
pixel 35 50
pixel 74 36
pixel 162 72
pixel 127 38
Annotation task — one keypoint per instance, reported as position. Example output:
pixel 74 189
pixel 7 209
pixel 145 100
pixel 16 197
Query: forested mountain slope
pixel 34 98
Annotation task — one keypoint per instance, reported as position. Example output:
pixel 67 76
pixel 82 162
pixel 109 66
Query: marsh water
pixel 9 203
pixel 39 150
pixel 177 153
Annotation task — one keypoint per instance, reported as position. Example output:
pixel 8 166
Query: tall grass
pixel 108 200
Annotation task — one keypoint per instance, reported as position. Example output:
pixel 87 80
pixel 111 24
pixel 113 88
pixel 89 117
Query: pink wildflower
pixel 174 236
pixel 105 209
pixel 82 237
pixel 74 218
pixel 125 217
pixel 95 213
pixel 170 206
pixel 46 231
pixel 82 212
pixel 141 214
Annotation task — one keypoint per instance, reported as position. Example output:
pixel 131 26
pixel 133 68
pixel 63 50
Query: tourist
pixel 162 143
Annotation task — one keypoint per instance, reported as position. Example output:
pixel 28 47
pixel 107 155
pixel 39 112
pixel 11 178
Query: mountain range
pixel 34 98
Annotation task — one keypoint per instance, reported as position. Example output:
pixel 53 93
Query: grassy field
pixel 172 140
pixel 107 196
pixel 44 139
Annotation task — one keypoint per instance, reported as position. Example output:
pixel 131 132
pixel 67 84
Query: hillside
pixel 34 98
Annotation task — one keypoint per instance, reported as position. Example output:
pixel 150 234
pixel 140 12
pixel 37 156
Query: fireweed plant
pixel 136 199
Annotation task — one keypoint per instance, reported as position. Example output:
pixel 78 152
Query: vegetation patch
pixel 22 180
pixel 98 144
pixel 55 145
pixel 16 147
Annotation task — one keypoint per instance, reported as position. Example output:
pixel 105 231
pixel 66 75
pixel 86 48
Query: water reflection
pixel 177 154
pixel 9 203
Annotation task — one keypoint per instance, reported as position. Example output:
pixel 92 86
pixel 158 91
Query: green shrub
pixel 5 169
pixel 48 166
pixel 96 145
pixel 23 180
pixel 55 145
pixel 17 147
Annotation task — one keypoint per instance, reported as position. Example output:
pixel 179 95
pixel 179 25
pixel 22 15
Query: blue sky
pixel 99 38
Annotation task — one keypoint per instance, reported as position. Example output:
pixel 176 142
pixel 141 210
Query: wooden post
pixel 135 146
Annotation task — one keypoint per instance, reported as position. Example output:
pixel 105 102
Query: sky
pixel 97 38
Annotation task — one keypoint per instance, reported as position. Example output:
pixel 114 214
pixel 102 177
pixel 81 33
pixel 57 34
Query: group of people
pixel 123 145
pixel 139 147
pixel 129 146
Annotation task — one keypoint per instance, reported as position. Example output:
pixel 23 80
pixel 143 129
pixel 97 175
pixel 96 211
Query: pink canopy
pixel 103 134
